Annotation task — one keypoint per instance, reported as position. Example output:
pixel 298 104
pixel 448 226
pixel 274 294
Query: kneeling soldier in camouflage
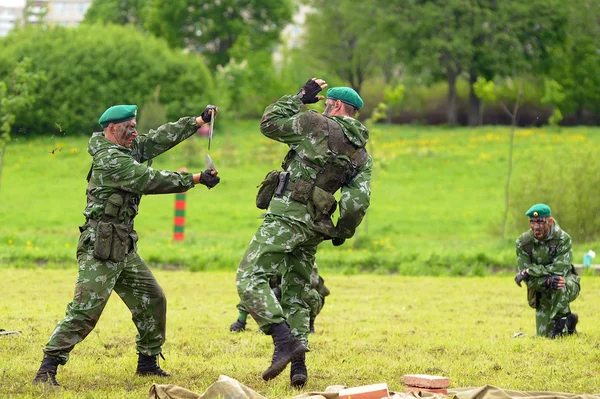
pixel 107 250
pixel 544 260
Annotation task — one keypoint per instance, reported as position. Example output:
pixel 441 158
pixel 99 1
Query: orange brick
pixel 408 388
pixel 375 391
pixel 426 381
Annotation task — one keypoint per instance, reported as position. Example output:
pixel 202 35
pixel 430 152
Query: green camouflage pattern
pixel 543 258
pixel 287 246
pixel 314 297
pixel 288 238
pixel 118 169
pixel 132 280
pixel 306 133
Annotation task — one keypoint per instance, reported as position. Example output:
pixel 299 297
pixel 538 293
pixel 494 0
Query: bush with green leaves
pixel 570 187
pixel 92 67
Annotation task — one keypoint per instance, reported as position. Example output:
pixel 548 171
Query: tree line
pixel 431 61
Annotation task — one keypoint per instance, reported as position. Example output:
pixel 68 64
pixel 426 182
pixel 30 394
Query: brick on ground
pixel 426 381
pixel 375 391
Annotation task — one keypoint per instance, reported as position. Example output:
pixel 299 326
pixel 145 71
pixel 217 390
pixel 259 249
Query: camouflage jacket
pixel 551 255
pixel 303 132
pixel 117 169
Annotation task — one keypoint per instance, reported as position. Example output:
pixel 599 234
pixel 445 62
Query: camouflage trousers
pixel 314 300
pixel 555 304
pixel 132 280
pixel 290 247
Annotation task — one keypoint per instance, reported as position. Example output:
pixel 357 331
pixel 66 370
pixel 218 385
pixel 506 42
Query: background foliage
pixel 436 208
pixel 92 67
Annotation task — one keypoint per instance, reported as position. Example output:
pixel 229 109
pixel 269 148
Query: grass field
pixel 437 203
pixel 437 200
pixel 371 330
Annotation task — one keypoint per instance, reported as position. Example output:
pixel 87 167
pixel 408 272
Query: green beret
pixel 539 211
pixel 346 95
pixel 118 114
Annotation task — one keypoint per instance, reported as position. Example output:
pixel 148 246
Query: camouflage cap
pixel 118 114
pixel 346 95
pixel 538 211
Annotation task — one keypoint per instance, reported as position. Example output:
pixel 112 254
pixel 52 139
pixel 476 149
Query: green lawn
pixel 372 329
pixel 437 200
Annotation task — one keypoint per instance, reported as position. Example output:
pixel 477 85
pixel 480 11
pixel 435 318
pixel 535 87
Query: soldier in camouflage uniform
pixel 107 250
pixel 544 260
pixel 327 153
pixel 315 298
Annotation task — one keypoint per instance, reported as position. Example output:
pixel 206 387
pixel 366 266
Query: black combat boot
pixel 572 321
pixel 559 326
pixel 287 348
pixel 238 326
pixel 298 373
pixel 311 325
pixel 147 365
pixel 47 372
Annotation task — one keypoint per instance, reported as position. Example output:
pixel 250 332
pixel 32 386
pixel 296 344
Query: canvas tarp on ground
pixel 229 388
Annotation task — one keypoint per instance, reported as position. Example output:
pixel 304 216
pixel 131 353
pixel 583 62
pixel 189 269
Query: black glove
pixel 553 281
pixel 337 241
pixel 308 92
pixel 520 277
pixel 208 179
pixel 207 114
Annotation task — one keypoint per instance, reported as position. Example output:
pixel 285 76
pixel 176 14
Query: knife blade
pixel 210 131
pixel 210 164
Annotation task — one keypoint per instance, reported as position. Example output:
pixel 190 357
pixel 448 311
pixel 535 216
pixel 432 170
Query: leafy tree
pixel 575 66
pixel 340 39
pixel 213 28
pixel 15 97
pixel 487 38
pixel 117 11
pixel 553 95
pixel 485 91
pixel 92 67
pixel 392 96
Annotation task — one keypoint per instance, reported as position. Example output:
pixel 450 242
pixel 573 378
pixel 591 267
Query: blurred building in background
pixel 51 12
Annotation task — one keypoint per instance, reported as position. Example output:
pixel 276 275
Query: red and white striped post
pixel 179 222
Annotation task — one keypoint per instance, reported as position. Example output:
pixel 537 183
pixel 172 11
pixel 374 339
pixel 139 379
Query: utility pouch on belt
pixel 324 202
pixel 104 238
pixel 321 204
pixel 266 189
pixel 120 242
pixel 302 191
pixel 532 297
pixel 113 205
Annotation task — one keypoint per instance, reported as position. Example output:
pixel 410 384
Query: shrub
pixel 569 182
pixel 92 67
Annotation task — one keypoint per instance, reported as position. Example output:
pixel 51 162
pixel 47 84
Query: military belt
pixel 93 223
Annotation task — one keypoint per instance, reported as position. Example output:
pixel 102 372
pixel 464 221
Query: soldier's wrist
pixel 199 121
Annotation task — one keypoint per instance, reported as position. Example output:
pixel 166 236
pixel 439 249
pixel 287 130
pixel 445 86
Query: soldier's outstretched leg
pixel 287 348
pixel 47 372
